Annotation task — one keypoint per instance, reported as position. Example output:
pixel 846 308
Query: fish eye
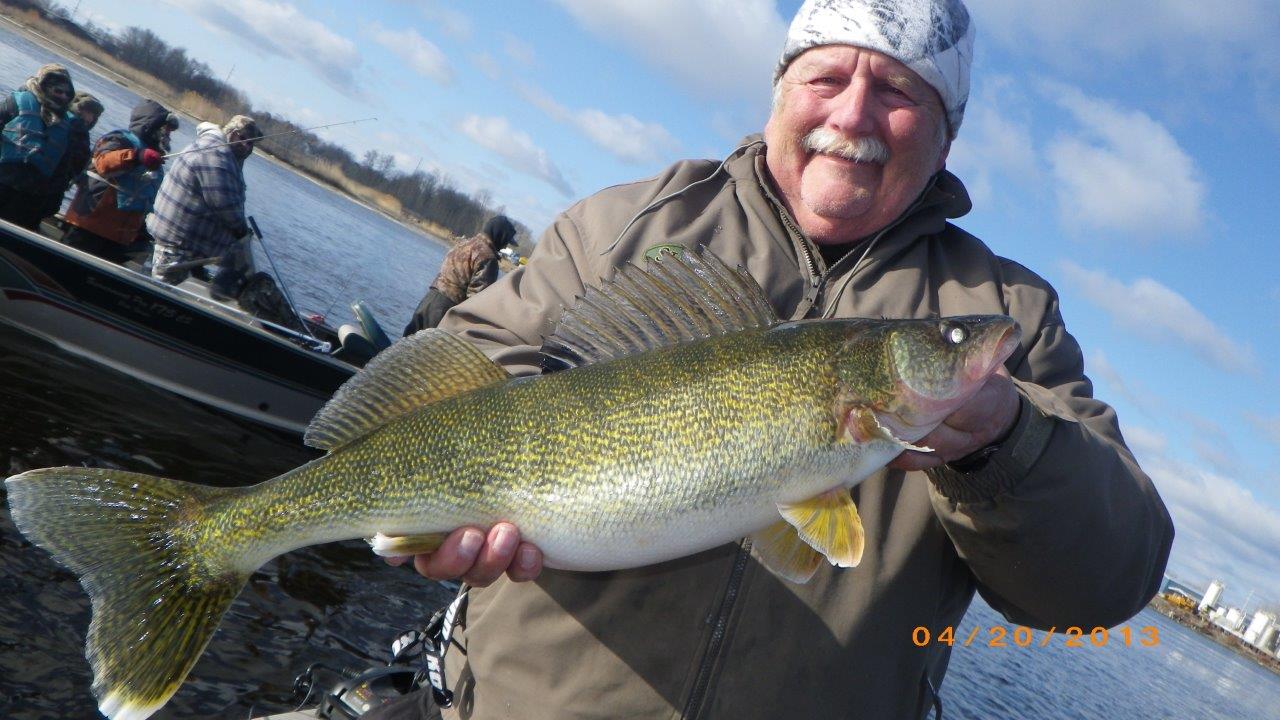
pixel 955 333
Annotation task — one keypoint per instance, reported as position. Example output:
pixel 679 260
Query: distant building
pixel 1211 596
pixel 1232 620
pixel 1267 642
pixel 1258 627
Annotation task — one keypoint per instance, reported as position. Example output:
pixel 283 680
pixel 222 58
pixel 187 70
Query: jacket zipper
pixel 693 708
pixel 810 298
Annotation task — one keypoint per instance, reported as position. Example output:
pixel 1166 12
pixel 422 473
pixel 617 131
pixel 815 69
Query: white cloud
pixel 418 53
pixel 1099 368
pixel 453 22
pixel 102 20
pixel 994 142
pixel 285 106
pixel 1124 173
pixel 624 136
pixel 516 148
pixel 488 65
pixel 518 50
pixel 1213 445
pixel 1268 426
pixel 281 29
pixel 1222 529
pixel 1239 33
pixel 719 48
pixel 1155 312
pixel 1144 442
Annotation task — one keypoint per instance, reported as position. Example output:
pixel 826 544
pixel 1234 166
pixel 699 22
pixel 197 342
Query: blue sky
pixel 1127 151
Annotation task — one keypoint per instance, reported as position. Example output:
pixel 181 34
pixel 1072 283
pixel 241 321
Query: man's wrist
pixel 978 459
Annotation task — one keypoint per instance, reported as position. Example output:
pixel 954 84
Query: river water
pixel 336 603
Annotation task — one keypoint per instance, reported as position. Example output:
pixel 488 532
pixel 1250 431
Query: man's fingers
pixel 496 555
pixel 479 558
pixel 454 558
pixel 528 563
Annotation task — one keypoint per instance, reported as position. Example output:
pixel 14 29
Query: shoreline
pixel 1192 621
pixel 435 233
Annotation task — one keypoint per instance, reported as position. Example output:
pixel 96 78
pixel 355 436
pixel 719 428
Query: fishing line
pixel 272 135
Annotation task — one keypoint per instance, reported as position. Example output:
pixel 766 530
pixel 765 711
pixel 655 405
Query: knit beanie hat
pixel 500 231
pixel 932 37
pixel 83 101
pixel 243 124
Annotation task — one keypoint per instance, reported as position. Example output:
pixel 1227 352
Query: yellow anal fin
pixel 829 523
pixel 783 552
pixel 398 545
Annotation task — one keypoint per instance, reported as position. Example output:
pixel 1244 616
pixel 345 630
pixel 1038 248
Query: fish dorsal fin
pixel 423 368
pixel 676 298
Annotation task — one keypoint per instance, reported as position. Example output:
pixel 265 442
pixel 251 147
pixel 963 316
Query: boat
pixel 178 338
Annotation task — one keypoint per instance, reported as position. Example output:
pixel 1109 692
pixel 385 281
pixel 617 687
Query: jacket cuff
pixel 1006 467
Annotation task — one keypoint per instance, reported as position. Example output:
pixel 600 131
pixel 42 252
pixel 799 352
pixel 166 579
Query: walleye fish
pixel 687 416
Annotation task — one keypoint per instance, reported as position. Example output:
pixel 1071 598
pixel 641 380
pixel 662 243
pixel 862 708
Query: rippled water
pixel 1185 675
pixel 339 605
pixel 335 603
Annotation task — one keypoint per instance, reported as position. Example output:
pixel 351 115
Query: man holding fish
pixel 840 209
pixel 820 418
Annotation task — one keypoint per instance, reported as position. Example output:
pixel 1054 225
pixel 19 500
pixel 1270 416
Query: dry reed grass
pixel 87 53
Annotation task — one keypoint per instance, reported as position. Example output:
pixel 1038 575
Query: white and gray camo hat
pixel 932 37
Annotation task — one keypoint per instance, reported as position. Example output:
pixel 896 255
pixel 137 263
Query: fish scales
pixel 609 453
pixel 648 446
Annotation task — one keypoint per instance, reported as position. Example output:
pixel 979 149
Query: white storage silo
pixel 1211 596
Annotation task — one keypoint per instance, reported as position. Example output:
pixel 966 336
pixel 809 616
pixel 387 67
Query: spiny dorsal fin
pixel 674 299
pixel 423 368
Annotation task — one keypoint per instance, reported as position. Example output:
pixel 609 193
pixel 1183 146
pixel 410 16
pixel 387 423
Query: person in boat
pixel 468 267
pixel 841 208
pixel 36 131
pixel 85 110
pixel 200 211
pixel 106 215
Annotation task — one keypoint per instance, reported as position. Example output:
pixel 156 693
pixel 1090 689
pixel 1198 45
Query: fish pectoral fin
pixel 829 523
pixel 785 554
pixel 862 426
pixel 400 545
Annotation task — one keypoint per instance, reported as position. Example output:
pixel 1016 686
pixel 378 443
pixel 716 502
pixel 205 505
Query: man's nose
pixel 853 110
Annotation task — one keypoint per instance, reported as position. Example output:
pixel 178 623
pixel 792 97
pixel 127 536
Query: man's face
pixel 89 117
pixel 858 95
pixel 242 149
pixel 58 92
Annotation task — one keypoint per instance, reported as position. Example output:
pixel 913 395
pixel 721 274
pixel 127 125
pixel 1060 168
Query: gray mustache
pixel 859 149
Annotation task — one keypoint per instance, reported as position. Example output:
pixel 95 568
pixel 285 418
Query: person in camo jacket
pixel 469 267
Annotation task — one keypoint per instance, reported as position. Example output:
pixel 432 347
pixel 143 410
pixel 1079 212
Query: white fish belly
pixel 680 535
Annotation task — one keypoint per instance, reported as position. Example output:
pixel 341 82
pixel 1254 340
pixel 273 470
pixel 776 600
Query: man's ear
pixel 942 156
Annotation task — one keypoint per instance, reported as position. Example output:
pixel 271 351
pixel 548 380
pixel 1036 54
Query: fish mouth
pixel 1001 348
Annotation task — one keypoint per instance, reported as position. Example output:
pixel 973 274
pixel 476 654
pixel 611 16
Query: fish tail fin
pixel 157 595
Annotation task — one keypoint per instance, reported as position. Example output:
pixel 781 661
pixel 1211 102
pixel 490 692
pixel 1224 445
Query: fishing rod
pixel 99 177
pixel 253 225
pixel 272 135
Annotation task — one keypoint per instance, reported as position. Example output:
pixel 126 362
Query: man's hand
pixel 479 559
pixel 151 159
pixel 988 416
